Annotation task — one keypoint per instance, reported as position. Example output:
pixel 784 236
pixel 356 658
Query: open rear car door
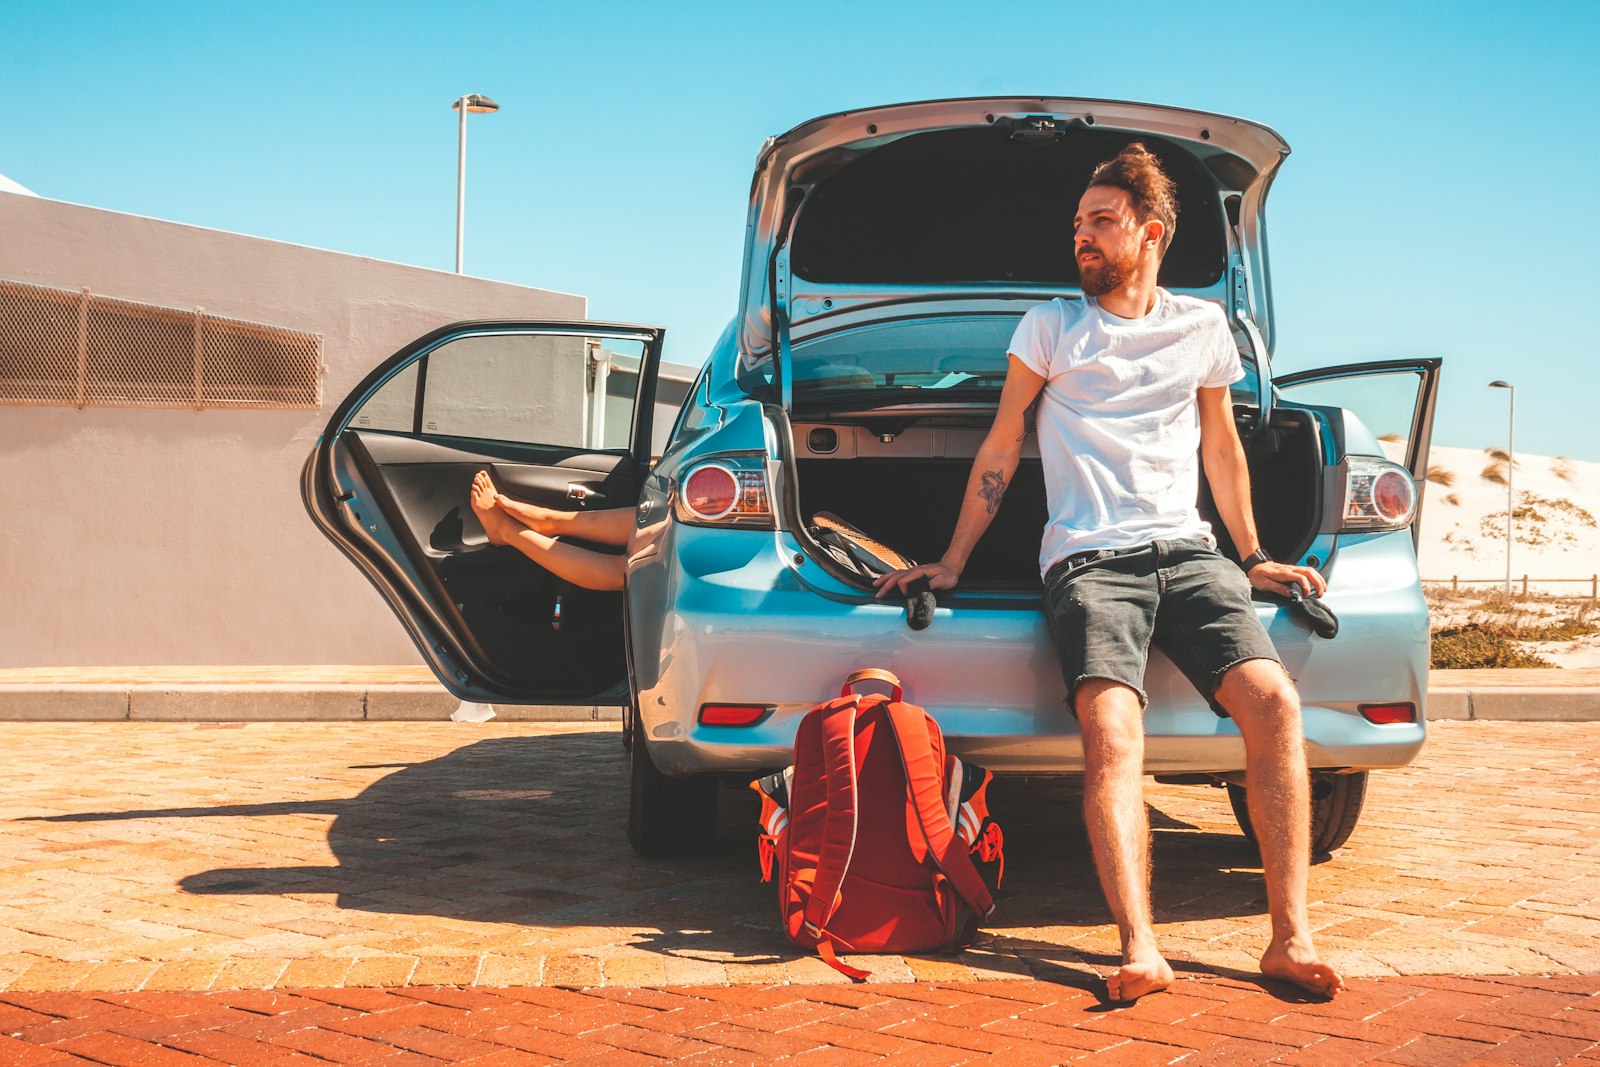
pixel 1394 398
pixel 560 414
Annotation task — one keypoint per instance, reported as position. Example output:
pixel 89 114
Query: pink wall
pixel 170 536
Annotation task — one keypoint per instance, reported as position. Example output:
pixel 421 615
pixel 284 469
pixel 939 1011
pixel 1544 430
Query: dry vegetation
pixel 1440 475
pixel 1479 629
pixel 1534 523
pixel 1499 469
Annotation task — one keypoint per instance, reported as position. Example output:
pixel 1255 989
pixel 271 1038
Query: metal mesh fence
pixel 40 345
pixel 64 347
pixel 246 364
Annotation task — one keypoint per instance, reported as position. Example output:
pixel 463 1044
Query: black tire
pixel 1336 801
pixel 630 707
pixel 668 818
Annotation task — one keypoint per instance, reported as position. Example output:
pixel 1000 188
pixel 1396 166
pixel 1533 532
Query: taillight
pixel 733 714
pixel 711 491
pixel 728 491
pixel 1379 495
pixel 1388 714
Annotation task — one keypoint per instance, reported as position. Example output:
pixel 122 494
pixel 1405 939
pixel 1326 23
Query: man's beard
pixel 1106 276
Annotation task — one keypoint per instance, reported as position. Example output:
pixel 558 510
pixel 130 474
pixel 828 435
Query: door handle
pixel 582 493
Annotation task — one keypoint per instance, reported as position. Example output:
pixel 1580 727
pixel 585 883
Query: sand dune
pixel 1555 525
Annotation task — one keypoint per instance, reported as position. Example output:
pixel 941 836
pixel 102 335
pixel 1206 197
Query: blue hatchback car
pixel 889 254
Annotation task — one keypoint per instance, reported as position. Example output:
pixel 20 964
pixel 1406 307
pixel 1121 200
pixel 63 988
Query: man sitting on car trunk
pixel 1132 390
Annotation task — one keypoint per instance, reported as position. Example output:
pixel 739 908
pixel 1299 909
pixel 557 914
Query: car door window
pixel 552 390
pixel 619 362
pixel 393 406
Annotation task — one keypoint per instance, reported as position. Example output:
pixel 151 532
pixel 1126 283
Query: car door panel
pixel 564 485
pixel 429 483
pixel 494 625
pixel 388 447
pixel 502 606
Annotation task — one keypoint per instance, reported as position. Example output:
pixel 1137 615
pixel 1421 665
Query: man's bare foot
pixel 1143 971
pixel 497 525
pixel 1296 961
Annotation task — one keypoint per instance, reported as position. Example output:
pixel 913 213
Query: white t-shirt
pixel 1118 426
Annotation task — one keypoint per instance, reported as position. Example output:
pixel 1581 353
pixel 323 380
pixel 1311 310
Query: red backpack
pixel 873 827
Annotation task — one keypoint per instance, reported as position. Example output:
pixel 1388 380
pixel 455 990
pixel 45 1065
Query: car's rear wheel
pixel 668 817
pixel 630 707
pixel 1336 801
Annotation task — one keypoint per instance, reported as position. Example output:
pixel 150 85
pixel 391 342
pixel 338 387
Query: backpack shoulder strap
pixel 925 788
pixel 839 823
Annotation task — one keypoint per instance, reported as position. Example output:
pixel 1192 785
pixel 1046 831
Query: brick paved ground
pixel 177 856
pixel 1421 1022
pixel 438 893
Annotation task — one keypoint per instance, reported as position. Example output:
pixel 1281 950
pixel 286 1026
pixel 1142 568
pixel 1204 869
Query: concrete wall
pixel 170 536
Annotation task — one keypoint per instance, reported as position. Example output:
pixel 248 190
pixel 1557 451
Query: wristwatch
pixel 1258 556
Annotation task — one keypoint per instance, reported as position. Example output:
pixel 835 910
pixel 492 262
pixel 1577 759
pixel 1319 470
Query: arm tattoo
pixel 994 488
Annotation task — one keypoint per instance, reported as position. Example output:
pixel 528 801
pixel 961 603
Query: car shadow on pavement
pixel 530 831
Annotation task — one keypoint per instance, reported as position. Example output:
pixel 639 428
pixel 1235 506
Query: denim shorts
pixel 1105 609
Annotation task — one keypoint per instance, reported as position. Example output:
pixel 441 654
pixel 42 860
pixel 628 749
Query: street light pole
pixel 478 104
pixel 1511 467
pixel 461 181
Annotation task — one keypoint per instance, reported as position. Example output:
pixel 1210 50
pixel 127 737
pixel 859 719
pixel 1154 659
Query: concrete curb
pixel 1516 704
pixel 405 702
pixel 90 702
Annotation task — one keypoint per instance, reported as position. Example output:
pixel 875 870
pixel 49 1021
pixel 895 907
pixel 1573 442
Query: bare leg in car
pixel 580 566
pixel 611 526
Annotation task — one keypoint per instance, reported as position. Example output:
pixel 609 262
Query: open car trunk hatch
pixel 948 205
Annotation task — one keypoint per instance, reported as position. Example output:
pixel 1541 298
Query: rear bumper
pixel 728 616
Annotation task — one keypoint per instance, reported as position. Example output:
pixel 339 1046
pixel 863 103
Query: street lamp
pixel 1511 466
pixel 477 104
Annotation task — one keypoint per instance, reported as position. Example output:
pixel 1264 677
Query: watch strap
pixel 1254 558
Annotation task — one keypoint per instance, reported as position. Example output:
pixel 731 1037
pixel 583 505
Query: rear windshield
pixel 919 360
pixel 952 359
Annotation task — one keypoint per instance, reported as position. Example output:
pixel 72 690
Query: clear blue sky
pixel 1440 198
